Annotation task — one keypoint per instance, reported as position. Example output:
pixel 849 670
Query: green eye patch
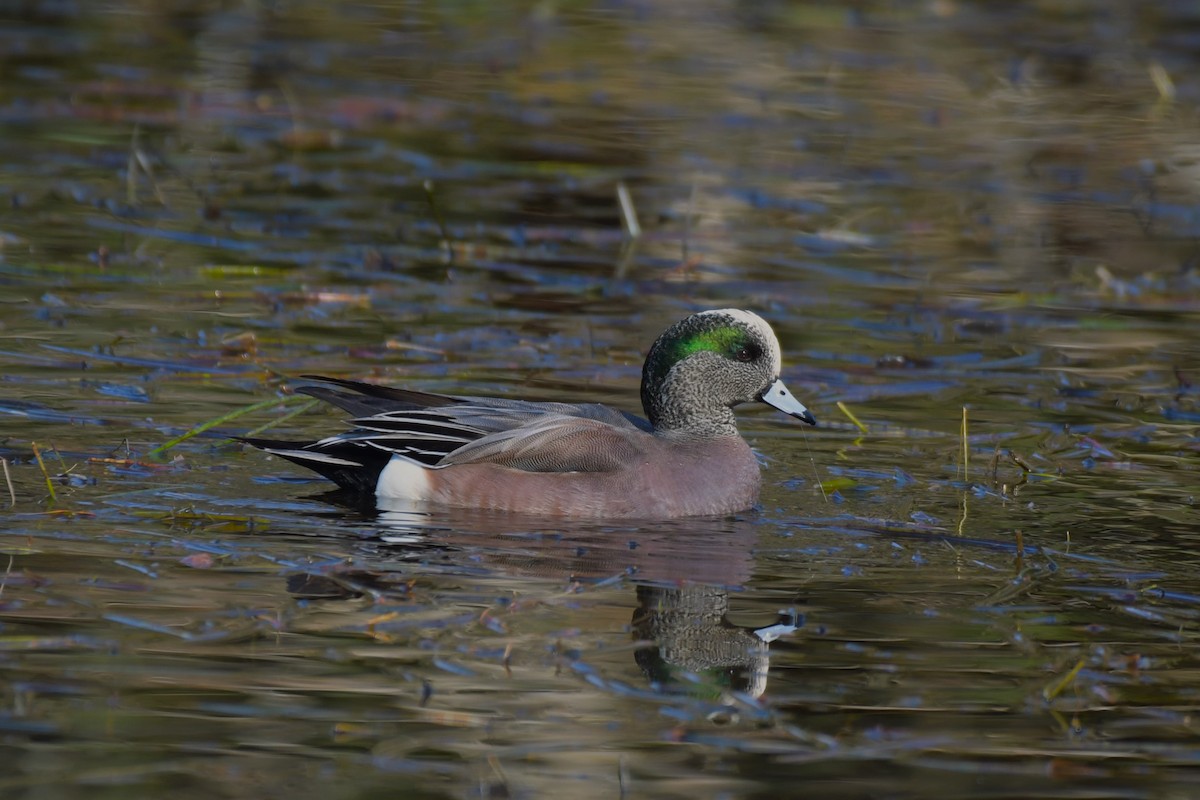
pixel 725 341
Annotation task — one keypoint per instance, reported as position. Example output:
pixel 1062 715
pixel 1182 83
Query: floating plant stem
pixel 37 454
pixel 311 404
pixel 443 231
pixel 232 415
pixel 1054 690
pixel 12 494
pixel 966 453
pixel 629 217
pixel 687 221
pixel 850 414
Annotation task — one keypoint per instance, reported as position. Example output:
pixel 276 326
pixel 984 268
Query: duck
pixel 685 458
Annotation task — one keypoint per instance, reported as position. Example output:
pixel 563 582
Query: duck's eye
pixel 745 354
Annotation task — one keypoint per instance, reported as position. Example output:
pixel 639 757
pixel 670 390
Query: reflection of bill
pixel 686 629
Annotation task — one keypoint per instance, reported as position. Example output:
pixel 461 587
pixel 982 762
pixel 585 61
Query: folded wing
pixel 443 430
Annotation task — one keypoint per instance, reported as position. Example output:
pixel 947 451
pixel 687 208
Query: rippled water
pixel 972 225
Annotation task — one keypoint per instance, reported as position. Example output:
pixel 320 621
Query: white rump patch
pixel 402 479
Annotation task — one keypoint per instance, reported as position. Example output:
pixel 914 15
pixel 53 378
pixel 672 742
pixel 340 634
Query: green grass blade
pixel 232 415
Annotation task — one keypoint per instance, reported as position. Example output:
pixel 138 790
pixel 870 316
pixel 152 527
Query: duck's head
pixel 704 365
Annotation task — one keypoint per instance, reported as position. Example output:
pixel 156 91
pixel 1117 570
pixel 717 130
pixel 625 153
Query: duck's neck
pixel 682 420
pixel 684 402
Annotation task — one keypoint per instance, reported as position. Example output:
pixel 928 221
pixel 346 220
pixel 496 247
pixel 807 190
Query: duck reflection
pixel 682 570
pixel 686 628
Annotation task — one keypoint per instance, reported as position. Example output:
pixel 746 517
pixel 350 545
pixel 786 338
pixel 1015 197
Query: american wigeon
pixel 577 460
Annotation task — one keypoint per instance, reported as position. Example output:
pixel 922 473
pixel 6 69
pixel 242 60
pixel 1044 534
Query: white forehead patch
pixel 755 323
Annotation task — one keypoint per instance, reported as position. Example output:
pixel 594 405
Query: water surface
pixel 972 225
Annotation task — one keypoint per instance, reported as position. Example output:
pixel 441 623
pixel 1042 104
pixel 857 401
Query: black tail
pixel 355 467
